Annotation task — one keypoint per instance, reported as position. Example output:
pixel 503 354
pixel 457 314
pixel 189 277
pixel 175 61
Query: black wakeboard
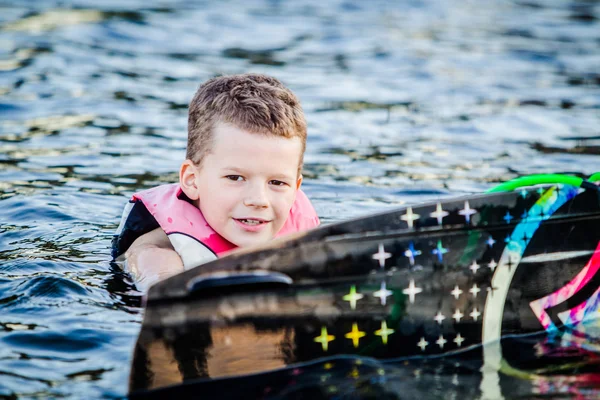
pixel 418 283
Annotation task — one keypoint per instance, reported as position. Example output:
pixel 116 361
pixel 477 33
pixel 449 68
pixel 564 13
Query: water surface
pixel 406 101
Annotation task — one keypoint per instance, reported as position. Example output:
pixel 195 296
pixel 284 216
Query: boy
pixel 238 187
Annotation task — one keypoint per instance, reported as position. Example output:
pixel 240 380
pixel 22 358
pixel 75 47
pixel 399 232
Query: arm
pixel 151 258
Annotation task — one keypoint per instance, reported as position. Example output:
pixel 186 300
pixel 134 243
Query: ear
pixel 299 182
pixel 187 180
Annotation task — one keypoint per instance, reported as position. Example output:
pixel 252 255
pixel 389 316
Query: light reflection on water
pixel 406 101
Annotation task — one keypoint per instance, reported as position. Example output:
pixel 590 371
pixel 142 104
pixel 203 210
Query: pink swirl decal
pixel 581 279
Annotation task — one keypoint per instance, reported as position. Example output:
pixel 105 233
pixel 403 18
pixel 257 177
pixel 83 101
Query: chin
pixel 248 242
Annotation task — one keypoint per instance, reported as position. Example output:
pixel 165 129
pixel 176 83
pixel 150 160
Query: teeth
pixel 250 221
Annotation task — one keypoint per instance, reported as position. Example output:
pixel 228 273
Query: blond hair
pixel 256 103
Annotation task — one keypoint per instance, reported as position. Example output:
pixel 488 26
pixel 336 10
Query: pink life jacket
pixel 189 233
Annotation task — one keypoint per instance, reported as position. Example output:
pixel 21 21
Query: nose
pixel 256 196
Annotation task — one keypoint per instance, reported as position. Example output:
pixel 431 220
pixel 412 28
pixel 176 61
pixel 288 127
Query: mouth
pixel 252 221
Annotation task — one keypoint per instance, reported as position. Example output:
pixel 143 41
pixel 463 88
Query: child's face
pixel 246 184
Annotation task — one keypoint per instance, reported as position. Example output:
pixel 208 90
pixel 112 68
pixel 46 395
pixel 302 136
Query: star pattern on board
pixel 441 341
pixel 412 291
pixel 439 214
pixel 411 253
pixel 458 339
pixel 383 293
pixel 467 293
pixel 456 292
pixel 381 255
pixel 457 316
pixel 439 251
pixel 474 290
pixel 384 332
pixel 439 317
pixel 355 335
pixel 324 338
pixel 353 297
pixel 467 212
pixel 475 314
pixel 410 217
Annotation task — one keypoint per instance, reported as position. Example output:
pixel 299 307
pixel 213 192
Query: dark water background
pixel 406 101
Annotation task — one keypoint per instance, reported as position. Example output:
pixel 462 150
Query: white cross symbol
pixel 490 241
pixel 467 212
pixel 457 315
pixel 456 292
pixel 441 342
pixel 383 294
pixel 475 314
pixel 492 265
pixel 409 217
pixel 474 267
pixel 458 340
pixel 411 291
pixel 439 317
pixel 439 214
pixel 474 290
pixel 381 255
pixel 422 344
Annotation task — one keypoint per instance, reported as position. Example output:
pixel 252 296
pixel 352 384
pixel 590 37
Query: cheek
pixel 217 200
pixel 283 203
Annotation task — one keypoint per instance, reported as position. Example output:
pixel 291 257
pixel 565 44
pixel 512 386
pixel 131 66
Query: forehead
pixel 238 147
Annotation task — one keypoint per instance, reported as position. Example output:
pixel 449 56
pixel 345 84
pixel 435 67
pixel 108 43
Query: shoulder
pixel 302 215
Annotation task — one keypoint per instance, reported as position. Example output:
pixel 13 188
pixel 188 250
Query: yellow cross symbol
pixel 355 334
pixel 324 338
pixel 353 297
pixel 384 332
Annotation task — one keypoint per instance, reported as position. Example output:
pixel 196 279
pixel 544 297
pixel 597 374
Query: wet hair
pixel 256 103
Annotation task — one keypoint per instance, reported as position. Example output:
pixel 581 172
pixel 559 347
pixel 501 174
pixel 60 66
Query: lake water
pixel 406 101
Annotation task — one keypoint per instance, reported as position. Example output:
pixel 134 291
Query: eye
pixel 236 178
pixel 277 183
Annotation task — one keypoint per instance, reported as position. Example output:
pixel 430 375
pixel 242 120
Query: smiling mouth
pixel 252 222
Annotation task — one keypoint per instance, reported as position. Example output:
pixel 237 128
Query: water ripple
pixel 406 102
pixel 52 287
pixel 73 341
